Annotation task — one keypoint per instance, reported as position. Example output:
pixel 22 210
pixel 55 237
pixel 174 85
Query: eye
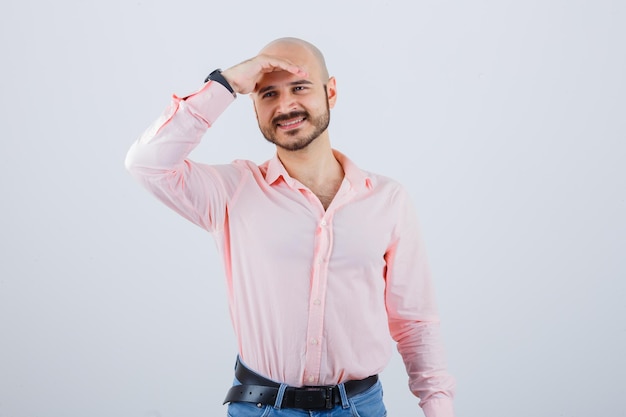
pixel 268 94
pixel 299 88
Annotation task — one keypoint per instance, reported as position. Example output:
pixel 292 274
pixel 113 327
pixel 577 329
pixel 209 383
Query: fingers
pixel 271 64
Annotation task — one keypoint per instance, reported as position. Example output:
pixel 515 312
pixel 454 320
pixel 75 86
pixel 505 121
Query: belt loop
pixel 279 397
pixel 343 395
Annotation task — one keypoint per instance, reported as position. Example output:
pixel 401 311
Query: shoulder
pixel 374 181
pixel 250 166
pixel 233 172
pixel 250 169
pixel 382 182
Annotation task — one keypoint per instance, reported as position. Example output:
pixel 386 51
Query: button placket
pixel 318 287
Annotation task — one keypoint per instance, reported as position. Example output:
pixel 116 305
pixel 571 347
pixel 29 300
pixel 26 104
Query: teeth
pixel 291 123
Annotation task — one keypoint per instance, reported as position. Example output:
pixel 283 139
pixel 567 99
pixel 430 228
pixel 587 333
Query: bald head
pixel 293 48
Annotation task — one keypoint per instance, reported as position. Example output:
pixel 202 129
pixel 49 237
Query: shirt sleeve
pixel 158 158
pixel 413 317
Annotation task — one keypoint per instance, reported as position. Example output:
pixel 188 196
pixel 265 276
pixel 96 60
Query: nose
pixel 286 103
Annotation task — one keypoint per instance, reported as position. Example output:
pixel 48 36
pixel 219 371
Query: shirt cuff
pixel 209 102
pixel 438 407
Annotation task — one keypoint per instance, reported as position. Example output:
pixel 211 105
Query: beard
pixel 298 139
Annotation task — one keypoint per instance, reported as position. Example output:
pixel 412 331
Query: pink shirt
pixel 314 294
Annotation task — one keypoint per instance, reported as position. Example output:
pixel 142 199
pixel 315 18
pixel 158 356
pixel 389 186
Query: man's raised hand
pixel 243 77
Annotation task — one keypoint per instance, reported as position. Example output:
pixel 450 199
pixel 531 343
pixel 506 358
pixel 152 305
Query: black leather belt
pixel 262 391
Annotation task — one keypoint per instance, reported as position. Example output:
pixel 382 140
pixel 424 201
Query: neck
pixel 314 165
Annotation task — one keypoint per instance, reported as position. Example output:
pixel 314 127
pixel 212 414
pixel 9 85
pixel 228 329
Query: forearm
pixel 421 347
pixel 165 145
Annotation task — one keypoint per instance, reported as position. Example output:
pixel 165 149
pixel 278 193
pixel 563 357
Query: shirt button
pixel 317 302
pixel 314 341
pixel 311 379
pixel 323 223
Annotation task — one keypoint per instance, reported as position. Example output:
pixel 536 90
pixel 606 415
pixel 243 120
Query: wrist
pixel 217 76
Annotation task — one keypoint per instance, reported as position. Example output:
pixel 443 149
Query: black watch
pixel 219 78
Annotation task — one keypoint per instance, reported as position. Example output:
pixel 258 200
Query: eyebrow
pixel 294 83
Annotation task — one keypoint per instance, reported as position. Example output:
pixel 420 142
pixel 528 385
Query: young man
pixel 323 261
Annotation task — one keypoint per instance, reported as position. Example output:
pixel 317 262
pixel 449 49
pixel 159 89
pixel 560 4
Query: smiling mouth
pixel 291 124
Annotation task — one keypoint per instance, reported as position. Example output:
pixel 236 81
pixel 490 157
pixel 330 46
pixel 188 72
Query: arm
pixel 158 159
pixel 413 317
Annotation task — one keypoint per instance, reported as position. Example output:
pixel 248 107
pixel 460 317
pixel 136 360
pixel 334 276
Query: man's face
pixel 292 111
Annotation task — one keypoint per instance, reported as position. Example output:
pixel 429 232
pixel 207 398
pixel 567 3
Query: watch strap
pixel 219 78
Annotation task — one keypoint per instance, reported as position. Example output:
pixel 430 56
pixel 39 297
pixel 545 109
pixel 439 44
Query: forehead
pixel 277 79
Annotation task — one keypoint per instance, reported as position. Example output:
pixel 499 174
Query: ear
pixel 331 90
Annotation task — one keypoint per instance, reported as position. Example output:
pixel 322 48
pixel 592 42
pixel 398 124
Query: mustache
pixel 288 116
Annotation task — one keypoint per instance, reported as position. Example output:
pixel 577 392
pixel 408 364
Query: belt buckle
pixel 314 398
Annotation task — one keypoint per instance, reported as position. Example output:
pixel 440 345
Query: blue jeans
pixel 366 404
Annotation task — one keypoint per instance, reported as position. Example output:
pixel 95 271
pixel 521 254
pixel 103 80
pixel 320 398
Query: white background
pixel 505 120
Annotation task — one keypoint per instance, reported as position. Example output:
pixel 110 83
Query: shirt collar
pixel 357 178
